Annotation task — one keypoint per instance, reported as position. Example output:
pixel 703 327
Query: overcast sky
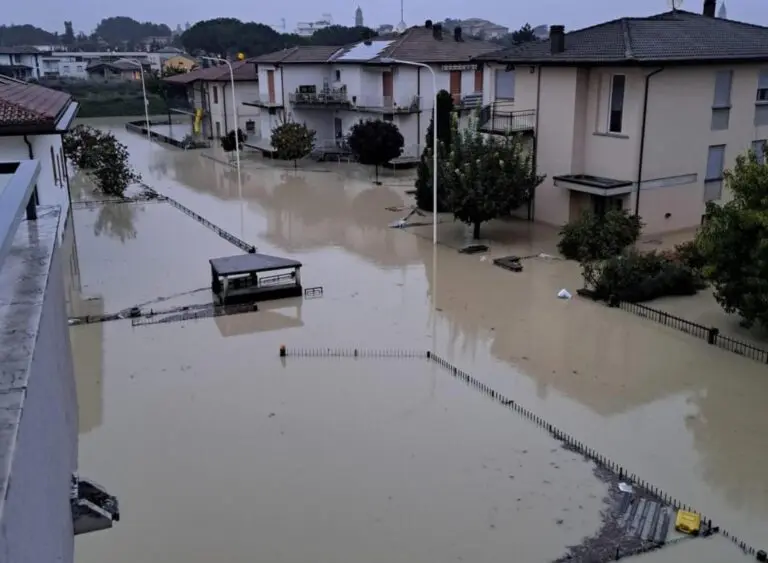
pixel 574 14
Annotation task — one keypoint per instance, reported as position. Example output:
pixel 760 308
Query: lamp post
pixel 434 137
pixel 234 105
pixel 144 93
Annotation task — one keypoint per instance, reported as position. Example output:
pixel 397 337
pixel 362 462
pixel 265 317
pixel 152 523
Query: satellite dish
pixel 675 4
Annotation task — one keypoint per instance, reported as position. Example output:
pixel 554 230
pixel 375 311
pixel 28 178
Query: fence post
pixel 712 335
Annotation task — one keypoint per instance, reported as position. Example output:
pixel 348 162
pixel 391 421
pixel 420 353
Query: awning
pixel 595 185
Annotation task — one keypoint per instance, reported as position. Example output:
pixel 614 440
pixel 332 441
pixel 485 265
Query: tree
pixel 340 35
pixel 69 34
pixel 732 242
pixel 292 141
pixel 487 177
pixel 599 236
pixel 523 35
pixel 424 187
pixel 18 35
pixel 376 142
pixel 122 29
pixel 102 156
pixel 228 140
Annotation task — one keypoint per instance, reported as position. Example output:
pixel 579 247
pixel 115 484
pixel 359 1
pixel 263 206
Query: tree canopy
pixel 15 35
pixel 445 129
pixel 292 141
pixel 376 142
pixel 487 177
pixel 122 29
pixel 227 36
pixel 732 242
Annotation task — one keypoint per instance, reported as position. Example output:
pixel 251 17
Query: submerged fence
pixel 569 441
pixel 227 236
pixel 710 334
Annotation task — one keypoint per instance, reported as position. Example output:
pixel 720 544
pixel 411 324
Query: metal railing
pixel 17 195
pixel 390 104
pixel 493 120
pixel 322 98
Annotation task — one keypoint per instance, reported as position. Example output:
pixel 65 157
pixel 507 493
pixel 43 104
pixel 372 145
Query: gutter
pixel 642 139
pixel 532 202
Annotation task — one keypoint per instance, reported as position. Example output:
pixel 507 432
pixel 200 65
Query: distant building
pixel 541 32
pixel 121 69
pixel 722 13
pixel 478 27
pixel 22 63
pixel 307 29
pixel 358 17
pixel 385 28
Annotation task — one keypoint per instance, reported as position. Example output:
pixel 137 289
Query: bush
pixel 636 276
pixel 598 237
pixel 376 142
pixel 228 143
pixel 292 141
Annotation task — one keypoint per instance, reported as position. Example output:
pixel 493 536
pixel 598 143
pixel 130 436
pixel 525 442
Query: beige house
pixel 663 103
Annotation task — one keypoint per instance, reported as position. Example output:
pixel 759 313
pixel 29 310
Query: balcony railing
pixel 263 101
pixel 323 98
pixel 390 104
pixel 491 120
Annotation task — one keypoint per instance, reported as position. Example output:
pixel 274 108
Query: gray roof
pixel 298 55
pixel 244 263
pixel 19 51
pixel 676 36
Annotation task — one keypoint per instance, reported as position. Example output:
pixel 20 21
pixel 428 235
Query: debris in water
pixel 511 263
pixel 625 488
pixel 563 294
pixel 474 249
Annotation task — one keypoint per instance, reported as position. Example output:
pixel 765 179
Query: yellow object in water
pixel 688 522
pixel 198 120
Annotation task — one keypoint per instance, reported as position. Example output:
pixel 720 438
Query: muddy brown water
pixel 175 418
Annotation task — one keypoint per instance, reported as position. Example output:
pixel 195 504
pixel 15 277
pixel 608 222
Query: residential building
pixel 479 27
pixel 23 63
pixel 75 64
pixel 332 88
pixel 158 59
pixel 209 92
pixel 359 17
pixel 183 62
pixel 121 69
pixel 642 114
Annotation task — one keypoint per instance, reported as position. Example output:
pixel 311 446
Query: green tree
pixel 228 143
pixel 732 242
pixel 121 29
pixel 102 156
pixel 340 35
pixel 19 35
pixel 292 141
pixel 376 143
pixel 523 35
pixel 599 236
pixel 487 177
pixel 424 187
pixel 69 34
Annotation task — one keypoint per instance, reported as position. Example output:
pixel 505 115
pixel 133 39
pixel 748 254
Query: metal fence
pixel 710 334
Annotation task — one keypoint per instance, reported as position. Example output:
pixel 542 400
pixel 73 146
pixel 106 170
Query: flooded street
pixel 218 451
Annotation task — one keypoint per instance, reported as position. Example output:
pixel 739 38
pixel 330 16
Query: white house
pixel 332 88
pixel 23 63
pixel 209 92
pixel 636 113
pixel 32 122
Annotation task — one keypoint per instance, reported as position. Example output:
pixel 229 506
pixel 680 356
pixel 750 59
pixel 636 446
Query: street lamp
pixel 388 60
pixel 234 105
pixel 144 93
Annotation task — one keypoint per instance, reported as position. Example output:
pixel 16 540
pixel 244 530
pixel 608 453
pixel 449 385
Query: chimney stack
pixel 709 8
pixel 557 38
pixel 457 33
pixel 437 31
pixel 428 24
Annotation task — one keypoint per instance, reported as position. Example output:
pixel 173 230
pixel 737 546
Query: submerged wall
pixel 38 400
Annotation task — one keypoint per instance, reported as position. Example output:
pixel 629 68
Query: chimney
pixel 437 31
pixel 428 24
pixel 557 38
pixel 457 33
pixel 709 8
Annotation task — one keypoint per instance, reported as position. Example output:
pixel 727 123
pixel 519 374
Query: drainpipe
pixel 642 140
pixel 33 199
pixel 532 201
pixel 418 115
pixel 224 103
pixel 282 93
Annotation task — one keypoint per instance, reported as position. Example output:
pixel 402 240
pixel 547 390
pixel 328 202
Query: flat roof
pixel 244 263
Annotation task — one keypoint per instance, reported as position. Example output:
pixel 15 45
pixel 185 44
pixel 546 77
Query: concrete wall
pixel 221 112
pixel 38 401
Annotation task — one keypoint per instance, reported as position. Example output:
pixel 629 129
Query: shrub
pixel 597 237
pixel 228 140
pixel 636 276
pixel 292 141
pixel 376 142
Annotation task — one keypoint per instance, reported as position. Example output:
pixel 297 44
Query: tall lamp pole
pixel 234 105
pixel 434 137
pixel 144 93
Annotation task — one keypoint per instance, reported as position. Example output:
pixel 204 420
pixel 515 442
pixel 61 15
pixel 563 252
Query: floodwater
pixel 176 419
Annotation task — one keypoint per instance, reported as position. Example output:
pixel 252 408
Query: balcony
pixel 468 102
pixel 325 98
pixel 265 101
pixel 498 122
pixel 390 104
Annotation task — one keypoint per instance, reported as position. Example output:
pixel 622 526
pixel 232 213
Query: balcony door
pixel 271 85
pixel 387 88
pixel 455 86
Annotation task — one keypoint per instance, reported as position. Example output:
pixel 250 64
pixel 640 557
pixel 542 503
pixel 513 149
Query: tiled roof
pixel 19 51
pixel 301 54
pixel 29 104
pixel 675 36
pixel 242 71
pixel 418 44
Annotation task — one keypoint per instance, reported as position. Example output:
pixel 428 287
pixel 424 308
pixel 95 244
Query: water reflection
pixel 116 220
pixel 282 314
pixel 87 341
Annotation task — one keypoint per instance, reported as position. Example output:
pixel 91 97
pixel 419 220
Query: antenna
pixel 675 4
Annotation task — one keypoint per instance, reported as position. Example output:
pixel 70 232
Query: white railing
pixel 393 104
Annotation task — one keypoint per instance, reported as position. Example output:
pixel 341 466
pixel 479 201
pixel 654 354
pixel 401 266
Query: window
pixel 759 148
pixel 55 168
pixel 338 76
pixel 723 80
pixel 218 129
pixel 215 94
pixel 616 104
pixel 505 85
pixel 762 86
pixel 713 181
pixel 250 126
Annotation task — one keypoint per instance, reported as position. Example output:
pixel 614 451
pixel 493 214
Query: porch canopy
pixel 594 185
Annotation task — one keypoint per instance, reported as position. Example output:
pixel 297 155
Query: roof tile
pixel 29 104
pixel 242 70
